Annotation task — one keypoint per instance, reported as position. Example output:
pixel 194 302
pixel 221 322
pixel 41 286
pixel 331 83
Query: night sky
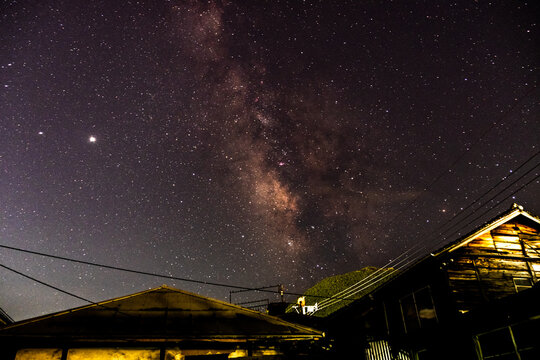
pixel 251 142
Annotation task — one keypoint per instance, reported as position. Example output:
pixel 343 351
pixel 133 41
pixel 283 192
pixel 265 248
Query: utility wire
pixel 494 196
pixel 372 280
pixel 515 171
pixel 459 158
pixel 125 269
pixel 61 290
pixel 254 289
pixel 138 272
pixel 421 245
pixel 468 150
pixel 47 285
pixel 220 284
pixel 500 202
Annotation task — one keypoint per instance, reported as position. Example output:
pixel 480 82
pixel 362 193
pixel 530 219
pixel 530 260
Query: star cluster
pixel 250 143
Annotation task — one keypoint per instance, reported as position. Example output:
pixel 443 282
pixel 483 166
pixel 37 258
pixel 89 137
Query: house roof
pixel 160 314
pixel 514 212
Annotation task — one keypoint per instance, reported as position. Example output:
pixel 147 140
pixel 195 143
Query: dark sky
pixel 251 143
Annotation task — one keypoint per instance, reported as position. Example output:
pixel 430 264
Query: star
pixel 223 141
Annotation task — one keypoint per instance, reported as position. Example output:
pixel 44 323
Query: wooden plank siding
pixel 477 283
pixel 485 268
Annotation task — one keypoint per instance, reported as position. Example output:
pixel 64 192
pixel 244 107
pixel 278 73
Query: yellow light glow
pixel 39 354
pixel 115 354
pixel 238 354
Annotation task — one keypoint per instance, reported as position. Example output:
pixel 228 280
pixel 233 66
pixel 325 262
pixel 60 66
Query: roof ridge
pixel 164 288
pixel 514 211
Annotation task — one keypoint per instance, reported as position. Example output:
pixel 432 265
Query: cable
pixel 47 285
pixel 125 269
pixel 371 281
pixel 329 302
pixel 509 195
pixel 476 201
pixel 367 282
pixel 467 150
pixel 461 156
pixel 487 192
pixel 254 289
pixel 258 289
pixel 170 277
pixel 62 291
pixel 494 196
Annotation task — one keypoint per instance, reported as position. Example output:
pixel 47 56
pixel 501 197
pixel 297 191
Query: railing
pixel 257 305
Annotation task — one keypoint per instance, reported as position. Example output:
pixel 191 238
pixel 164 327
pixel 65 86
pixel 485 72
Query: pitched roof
pixel 514 212
pixel 163 313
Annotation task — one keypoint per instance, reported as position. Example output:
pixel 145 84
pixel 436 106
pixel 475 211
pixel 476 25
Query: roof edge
pixel 168 288
pixel 78 308
pixel 515 211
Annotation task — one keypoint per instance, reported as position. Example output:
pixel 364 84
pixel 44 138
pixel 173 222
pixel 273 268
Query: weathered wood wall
pixel 486 267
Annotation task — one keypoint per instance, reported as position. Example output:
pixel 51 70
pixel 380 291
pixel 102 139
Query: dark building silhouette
pixel 476 298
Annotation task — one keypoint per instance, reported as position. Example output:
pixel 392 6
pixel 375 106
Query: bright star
pixel 92 139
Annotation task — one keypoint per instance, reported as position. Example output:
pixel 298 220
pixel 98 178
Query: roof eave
pixel 518 210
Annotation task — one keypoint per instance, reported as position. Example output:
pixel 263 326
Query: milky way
pixel 251 144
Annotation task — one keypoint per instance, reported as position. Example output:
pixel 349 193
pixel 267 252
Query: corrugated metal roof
pixel 163 313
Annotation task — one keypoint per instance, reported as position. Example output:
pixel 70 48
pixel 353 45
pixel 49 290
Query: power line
pixel 468 150
pixel 242 288
pixel 480 197
pixel 61 290
pixel 487 192
pixel 421 245
pixel 459 158
pixel 494 196
pixel 500 202
pixel 372 279
pixel 330 300
pixel 138 272
pixel 47 285
pixel 125 269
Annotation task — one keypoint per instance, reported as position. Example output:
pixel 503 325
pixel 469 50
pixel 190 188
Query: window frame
pixel 418 319
pixel 520 288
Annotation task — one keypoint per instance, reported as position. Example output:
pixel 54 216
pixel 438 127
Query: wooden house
pixel 157 324
pixel 446 305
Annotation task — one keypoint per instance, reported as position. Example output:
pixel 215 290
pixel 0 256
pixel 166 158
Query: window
pixel 522 284
pixel 526 337
pixel 426 309
pixel 518 341
pixel 498 344
pixel 410 314
pixel 418 310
